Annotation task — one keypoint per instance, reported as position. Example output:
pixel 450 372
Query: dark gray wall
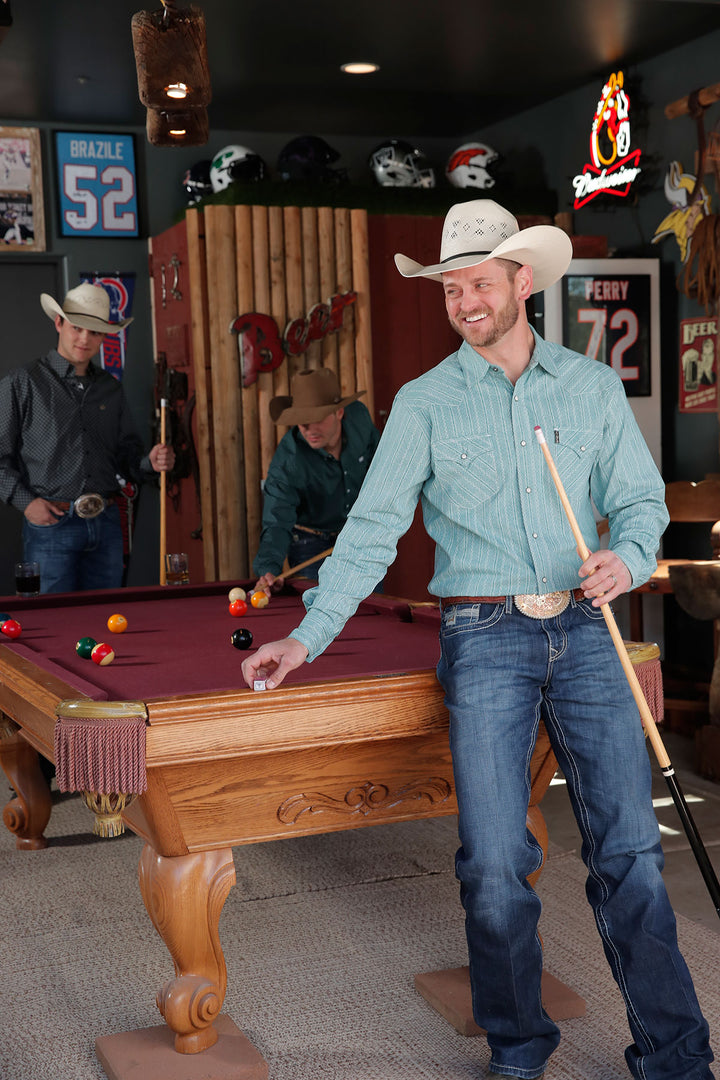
pixel 549 142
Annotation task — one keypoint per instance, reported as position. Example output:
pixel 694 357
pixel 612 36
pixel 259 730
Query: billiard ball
pixel 242 638
pixel 85 647
pixel 11 628
pixel 237 608
pixel 4 617
pixel 117 624
pixel 102 654
pixel 237 594
pixel 259 599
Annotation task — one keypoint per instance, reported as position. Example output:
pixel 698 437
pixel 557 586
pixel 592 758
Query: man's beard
pixel 489 331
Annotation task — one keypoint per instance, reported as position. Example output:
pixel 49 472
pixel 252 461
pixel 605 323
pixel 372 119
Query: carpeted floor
pixel 322 938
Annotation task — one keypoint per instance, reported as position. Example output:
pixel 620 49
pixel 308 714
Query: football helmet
pixel 398 164
pixel 236 163
pixel 468 166
pixel 196 181
pixel 308 157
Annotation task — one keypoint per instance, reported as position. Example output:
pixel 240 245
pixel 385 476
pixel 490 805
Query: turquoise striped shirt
pixel 461 438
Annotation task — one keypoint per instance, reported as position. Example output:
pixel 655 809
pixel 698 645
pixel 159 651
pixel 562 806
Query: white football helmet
pixel 468 166
pixel 398 164
pixel 235 163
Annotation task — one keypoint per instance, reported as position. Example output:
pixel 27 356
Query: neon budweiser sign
pixel 613 166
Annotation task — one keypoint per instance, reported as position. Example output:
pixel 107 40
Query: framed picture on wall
pixel 609 309
pixel 97 186
pixel 22 216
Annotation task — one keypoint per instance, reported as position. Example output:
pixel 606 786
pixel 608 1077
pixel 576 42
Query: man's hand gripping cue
pixel 272 662
pixel 606 577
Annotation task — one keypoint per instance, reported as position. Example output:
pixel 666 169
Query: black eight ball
pixel 242 638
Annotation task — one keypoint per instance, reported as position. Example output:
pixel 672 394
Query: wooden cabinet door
pixel 175 381
pixel 410 335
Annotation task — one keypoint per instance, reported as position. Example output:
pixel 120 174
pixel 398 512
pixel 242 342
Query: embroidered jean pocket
pixel 465 469
pixel 461 618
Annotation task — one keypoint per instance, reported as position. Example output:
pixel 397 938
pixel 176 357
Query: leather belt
pixel 85 506
pixel 541 606
pixel 315 532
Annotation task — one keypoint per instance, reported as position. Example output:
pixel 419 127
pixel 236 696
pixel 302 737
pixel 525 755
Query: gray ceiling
pixel 448 67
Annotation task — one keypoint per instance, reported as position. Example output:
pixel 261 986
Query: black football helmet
pixel 196 181
pixel 308 157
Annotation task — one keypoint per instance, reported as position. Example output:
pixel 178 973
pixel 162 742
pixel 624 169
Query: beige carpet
pixel 322 938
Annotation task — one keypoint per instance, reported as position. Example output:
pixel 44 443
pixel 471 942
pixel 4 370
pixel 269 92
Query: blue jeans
pixel 303 545
pixel 77 553
pixel 503 672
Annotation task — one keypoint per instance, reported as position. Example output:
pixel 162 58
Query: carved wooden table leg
pixel 184 896
pixel 28 813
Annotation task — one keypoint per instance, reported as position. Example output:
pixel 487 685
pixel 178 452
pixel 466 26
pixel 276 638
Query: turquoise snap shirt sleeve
pixel 461 438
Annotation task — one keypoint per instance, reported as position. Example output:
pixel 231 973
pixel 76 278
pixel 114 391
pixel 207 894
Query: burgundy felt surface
pixel 178 640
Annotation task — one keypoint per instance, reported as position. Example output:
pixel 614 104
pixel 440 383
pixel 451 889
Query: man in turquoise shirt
pixel 520 641
pixel 315 474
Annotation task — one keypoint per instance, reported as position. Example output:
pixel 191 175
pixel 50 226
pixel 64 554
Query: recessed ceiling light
pixel 359 68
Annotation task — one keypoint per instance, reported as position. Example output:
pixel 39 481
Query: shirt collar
pixel 64 369
pixel 545 355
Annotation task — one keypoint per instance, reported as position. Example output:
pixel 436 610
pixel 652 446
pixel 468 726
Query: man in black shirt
pixel 66 441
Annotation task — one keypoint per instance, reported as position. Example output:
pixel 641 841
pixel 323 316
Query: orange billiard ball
pixel 102 654
pixel 259 599
pixel 117 624
pixel 237 608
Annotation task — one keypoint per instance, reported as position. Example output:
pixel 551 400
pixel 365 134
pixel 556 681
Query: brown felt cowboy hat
pixel 313 396
pixel 480 229
pixel 86 306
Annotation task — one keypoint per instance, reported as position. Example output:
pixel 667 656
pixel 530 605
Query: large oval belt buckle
pixel 544 606
pixel 89 506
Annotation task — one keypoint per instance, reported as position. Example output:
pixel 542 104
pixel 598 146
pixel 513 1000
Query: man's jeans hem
pixel 523 1074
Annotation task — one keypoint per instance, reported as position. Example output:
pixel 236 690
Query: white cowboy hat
pixel 313 396
pixel 86 306
pixel 478 230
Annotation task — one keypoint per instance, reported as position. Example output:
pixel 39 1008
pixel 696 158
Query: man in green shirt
pixel 522 636
pixel 315 474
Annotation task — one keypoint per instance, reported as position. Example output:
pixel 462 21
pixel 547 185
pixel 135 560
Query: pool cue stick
pixel 698 848
pixel 163 489
pixel 302 565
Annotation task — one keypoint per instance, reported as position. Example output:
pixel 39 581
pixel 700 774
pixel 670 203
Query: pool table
pixel 359 737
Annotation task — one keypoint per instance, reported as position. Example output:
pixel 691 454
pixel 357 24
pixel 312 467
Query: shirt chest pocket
pixel 575 456
pixel 465 469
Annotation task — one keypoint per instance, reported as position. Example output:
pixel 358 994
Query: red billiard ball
pixel 242 638
pixel 259 599
pixel 102 654
pixel 237 608
pixel 11 628
pixel 117 624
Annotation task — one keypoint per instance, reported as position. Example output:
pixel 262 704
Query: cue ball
pixel 259 599
pixel 102 654
pixel 237 594
pixel 237 608
pixel 242 638
pixel 117 624
pixel 11 628
pixel 85 647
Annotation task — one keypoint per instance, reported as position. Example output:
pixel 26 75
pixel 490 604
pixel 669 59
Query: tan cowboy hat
pixel 313 396
pixel 86 306
pixel 478 230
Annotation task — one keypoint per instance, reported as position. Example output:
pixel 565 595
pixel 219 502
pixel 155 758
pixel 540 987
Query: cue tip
pixel 539 434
